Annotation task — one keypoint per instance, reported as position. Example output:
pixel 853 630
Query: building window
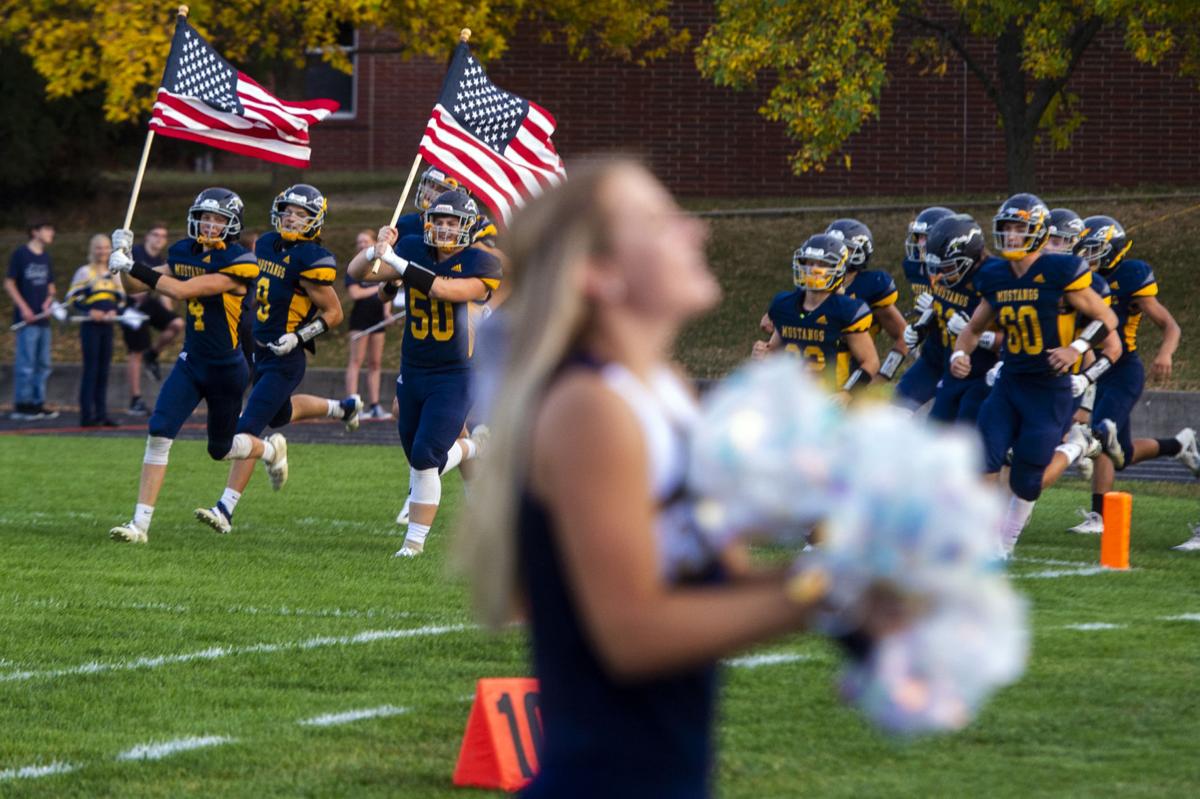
pixel 322 81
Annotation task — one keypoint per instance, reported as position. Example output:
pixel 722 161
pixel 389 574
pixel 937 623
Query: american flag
pixel 204 99
pixel 492 141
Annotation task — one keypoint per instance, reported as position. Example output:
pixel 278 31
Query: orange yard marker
pixel 1114 542
pixel 503 738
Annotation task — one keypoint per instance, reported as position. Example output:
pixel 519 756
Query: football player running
pixel 442 275
pixel 918 385
pixel 1104 244
pixel 294 303
pixel 954 251
pixel 210 272
pixel 1034 296
pixel 819 323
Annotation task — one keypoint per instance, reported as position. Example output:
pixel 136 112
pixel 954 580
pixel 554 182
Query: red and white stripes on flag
pixel 205 99
pixel 493 142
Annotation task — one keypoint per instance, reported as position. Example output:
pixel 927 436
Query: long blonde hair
pixel 549 242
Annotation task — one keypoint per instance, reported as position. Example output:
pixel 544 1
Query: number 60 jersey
pixel 437 337
pixel 212 322
pixel 1032 309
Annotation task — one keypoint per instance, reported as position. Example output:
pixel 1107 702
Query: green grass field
pixel 751 256
pixel 302 612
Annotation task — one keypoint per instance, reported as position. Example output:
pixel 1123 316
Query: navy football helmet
pixel 1065 229
pixel 302 195
pixel 953 249
pixel 216 201
pixel 1103 242
pixel 914 242
pixel 820 263
pixel 858 239
pixel 1023 209
pixel 434 183
pixel 456 205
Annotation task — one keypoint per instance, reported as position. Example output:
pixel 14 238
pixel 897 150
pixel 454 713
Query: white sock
pixel 417 533
pixel 334 409
pixel 142 514
pixel 268 455
pixel 1072 451
pixel 1015 519
pixel 453 457
pixel 229 501
pixel 471 447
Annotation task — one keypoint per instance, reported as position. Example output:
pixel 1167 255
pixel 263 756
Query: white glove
pixel 119 261
pixel 122 239
pixel 284 344
pixel 993 374
pixel 911 336
pixel 924 302
pixel 386 254
pixel 1079 384
pixel 957 323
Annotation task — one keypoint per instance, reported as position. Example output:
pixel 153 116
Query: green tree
pixel 829 58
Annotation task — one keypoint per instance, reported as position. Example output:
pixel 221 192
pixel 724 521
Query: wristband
pixel 394 261
pixel 145 274
pixel 369 253
pixel 313 329
pixel 890 364
pixel 419 278
pixel 1097 369
pixel 389 290
pixel 1089 398
pixel 987 339
pixel 859 379
pixel 958 354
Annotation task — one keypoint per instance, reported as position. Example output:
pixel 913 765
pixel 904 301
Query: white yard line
pixel 1052 561
pixel 53 603
pixel 1093 626
pixel 768 659
pixel 348 716
pixel 157 751
pixel 1181 617
pixel 33 772
pixel 1052 574
pixel 218 652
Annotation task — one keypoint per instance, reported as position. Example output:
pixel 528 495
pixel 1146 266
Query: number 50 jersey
pixel 438 336
pixel 1032 309
pixel 281 304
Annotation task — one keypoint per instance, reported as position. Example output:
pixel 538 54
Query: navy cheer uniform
pixel 1118 389
pixel 95 290
pixel 433 389
pixel 607 737
pixel 1031 404
pixel 818 335
pixel 958 399
pixel 211 366
pixel 919 382
pixel 281 306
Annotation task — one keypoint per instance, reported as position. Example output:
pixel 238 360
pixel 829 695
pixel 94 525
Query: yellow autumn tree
pixel 829 59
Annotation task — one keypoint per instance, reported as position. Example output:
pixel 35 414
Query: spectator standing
pixel 160 311
pixel 368 310
pixel 30 284
pixel 97 293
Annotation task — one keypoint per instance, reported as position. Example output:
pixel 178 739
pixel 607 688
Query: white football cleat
pixel 277 469
pixel 1107 433
pixel 402 516
pixel 128 533
pixel 1192 544
pixel 1092 524
pixel 214 519
pixel 481 435
pixel 1081 434
pixel 409 550
pixel 1086 468
pixel 1190 454
pixel 352 408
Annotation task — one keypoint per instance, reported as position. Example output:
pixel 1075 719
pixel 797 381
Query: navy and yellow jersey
pixel 875 288
pixel 914 273
pixel 212 322
pixel 411 225
pixel 1100 286
pixel 1128 281
pixel 485 232
pixel 281 303
pixel 1032 309
pixel 947 301
pixel 438 336
pixel 95 289
pixel 818 335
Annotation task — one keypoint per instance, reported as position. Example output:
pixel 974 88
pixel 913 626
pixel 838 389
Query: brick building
pixel 932 134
